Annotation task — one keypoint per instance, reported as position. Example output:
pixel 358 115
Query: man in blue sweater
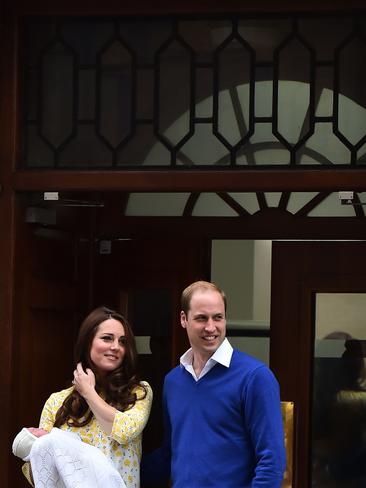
pixel 223 423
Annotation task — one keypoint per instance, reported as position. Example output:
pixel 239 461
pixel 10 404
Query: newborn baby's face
pixel 37 432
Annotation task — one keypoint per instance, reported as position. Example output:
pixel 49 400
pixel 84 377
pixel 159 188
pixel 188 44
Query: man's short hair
pixel 188 292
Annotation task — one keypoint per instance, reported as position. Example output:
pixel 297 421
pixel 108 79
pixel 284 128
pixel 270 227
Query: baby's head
pixel 23 443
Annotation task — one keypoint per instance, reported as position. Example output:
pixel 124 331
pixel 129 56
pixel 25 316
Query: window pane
pixel 339 391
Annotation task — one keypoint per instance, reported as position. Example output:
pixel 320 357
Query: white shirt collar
pixel 222 355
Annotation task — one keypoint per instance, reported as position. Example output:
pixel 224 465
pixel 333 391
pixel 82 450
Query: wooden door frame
pixel 313 284
pixel 293 303
pixel 163 7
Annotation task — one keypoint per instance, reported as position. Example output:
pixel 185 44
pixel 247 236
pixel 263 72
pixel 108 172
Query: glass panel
pixel 294 98
pixel 204 36
pixel 255 346
pixel 339 391
pixel 38 152
pixel 273 199
pixel 57 94
pixel 298 200
pixel 87 37
pixel 234 105
pixel 324 147
pixel 265 148
pixel 352 111
pixel 325 40
pixel 145 94
pixel 263 92
pixel 264 35
pixel 174 71
pixel 361 154
pixel 248 201
pixel 145 37
pixel 307 204
pixel 86 94
pixel 144 149
pixel 210 204
pixel 86 147
pixel 115 100
pixel 203 83
pixel 215 152
pixel 323 96
pixel 157 204
pixel 332 207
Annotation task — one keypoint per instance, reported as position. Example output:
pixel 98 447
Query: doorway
pixel 300 271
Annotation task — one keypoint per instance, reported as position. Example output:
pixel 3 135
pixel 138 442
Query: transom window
pixel 232 92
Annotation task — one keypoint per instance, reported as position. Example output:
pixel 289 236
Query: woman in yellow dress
pixel 107 407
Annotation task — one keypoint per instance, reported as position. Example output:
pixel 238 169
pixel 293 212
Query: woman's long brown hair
pixel 116 387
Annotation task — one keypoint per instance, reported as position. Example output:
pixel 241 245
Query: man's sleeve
pixel 263 419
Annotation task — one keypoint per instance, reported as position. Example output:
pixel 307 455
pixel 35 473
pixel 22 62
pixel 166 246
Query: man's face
pixel 205 322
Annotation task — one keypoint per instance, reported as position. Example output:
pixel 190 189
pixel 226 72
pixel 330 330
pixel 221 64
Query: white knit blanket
pixel 61 460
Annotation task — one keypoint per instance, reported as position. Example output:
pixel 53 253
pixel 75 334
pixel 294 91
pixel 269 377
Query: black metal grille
pixel 177 93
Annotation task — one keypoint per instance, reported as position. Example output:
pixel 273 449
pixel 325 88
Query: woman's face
pixel 108 346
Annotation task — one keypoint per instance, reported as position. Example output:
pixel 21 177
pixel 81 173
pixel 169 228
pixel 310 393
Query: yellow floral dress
pixel 122 446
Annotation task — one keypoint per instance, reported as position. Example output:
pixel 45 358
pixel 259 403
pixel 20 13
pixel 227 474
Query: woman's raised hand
pixel 84 381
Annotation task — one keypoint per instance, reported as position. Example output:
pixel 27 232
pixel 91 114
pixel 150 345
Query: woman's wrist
pixel 89 393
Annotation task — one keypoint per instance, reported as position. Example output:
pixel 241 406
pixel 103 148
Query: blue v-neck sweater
pixel 224 430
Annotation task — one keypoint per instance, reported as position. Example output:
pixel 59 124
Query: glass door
pixel 339 391
pixel 317 334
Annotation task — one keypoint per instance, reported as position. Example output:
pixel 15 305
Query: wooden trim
pixel 299 270
pixel 248 332
pixel 8 216
pixel 6 328
pixel 180 6
pixel 270 225
pixel 193 180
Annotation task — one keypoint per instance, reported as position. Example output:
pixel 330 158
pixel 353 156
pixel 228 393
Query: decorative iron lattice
pixel 177 93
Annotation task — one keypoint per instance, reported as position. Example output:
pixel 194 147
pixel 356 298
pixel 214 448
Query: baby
pixel 23 442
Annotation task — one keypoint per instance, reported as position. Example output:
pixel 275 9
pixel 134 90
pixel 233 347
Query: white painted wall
pixel 262 281
pixel 242 268
pixel 232 269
